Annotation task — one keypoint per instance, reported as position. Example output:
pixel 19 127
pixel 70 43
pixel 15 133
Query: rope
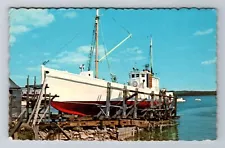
pixel 104 46
pixel 121 25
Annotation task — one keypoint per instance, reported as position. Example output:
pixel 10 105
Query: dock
pixel 113 122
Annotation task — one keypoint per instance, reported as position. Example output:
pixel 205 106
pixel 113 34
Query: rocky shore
pixel 25 132
pixel 87 135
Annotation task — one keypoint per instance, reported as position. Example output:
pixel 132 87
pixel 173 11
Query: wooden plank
pixel 111 123
pixel 125 122
pixel 16 127
pixel 67 136
pixel 49 134
pixel 140 123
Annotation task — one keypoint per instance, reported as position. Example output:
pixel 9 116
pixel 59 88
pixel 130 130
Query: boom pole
pixel 129 36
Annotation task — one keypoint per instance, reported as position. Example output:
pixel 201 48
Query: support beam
pixel 67 136
pixel 16 127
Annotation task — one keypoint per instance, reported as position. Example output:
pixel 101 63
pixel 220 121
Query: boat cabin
pixel 143 79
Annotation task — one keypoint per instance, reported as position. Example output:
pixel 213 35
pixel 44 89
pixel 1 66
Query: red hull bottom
pixel 91 107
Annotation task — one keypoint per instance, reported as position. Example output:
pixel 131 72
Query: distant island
pixel 194 93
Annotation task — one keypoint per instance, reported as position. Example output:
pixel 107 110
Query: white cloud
pixel 24 20
pixel 135 54
pixel 209 62
pixel 18 29
pixel 86 50
pixel 79 56
pixel 134 50
pixel 70 15
pixel 31 17
pixel 70 58
pixel 12 39
pixel 203 32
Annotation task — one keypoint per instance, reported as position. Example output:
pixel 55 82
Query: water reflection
pixel 157 134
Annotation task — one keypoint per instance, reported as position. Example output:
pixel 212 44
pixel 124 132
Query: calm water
pixel 197 119
pixel 197 122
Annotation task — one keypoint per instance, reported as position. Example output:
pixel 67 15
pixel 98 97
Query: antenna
pixel 45 62
pixel 151 57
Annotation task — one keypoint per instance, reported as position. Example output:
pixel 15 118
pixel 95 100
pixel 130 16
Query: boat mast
pixel 96 43
pixel 151 57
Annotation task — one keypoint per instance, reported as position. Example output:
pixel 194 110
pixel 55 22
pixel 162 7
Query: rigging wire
pixel 67 43
pixel 121 26
pixel 105 48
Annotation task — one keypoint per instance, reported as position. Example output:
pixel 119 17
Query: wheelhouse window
pixel 133 75
pixel 142 75
pixel 137 75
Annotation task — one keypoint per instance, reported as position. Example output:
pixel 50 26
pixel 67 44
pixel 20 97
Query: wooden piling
pixel 108 97
pixel 124 102
pixel 175 100
pixel 165 105
pixel 10 108
pixel 135 105
pixel 27 100
pixel 49 108
pixel 152 99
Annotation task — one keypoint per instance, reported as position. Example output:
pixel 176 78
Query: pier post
pixel 124 102
pixel 10 107
pixel 34 87
pixel 169 104
pixel 152 105
pixel 36 130
pixel 175 101
pixel 165 105
pixel 152 99
pixel 160 105
pixel 49 108
pixel 45 101
pixel 135 104
pixel 27 100
pixel 108 97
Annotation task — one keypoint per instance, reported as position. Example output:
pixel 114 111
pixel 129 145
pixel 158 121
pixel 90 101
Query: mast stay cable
pixel 105 48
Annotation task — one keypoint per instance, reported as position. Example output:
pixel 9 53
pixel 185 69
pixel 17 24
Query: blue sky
pixel 184 43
